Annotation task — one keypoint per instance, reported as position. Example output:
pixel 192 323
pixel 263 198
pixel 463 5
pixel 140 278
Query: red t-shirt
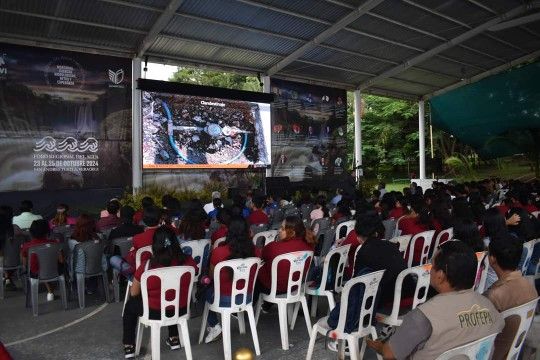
pixel 257 217
pixel 396 213
pixel 137 217
pixel 222 253
pixel 273 250
pixel 33 262
pixel 141 240
pixel 219 233
pixel 411 226
pixel 352 240
pixel 154 284
pixel 530 208
pixel 503 209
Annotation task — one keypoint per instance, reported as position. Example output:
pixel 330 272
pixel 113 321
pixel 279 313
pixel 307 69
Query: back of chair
pixel 12 248
pixel 343 229
pixel 170 279
pixel 47 255
pixel 340 254
pixel 371 283
pixel 480 349
pixel 244 274
pixel 298 262
pixel 528 247
pixel 403 243
pixel 306 209
pixel 526 316
pixel 320 225
pixel 397 231
pixel 139 254
pixel 421 288
pixel 199 251
pixel 219 242
pixel 389 228
pixel 443 237
pixel 263 238
pixel 425 237
pixel 93 254
pixel 326 239
pixel 64 230
pixel 124 244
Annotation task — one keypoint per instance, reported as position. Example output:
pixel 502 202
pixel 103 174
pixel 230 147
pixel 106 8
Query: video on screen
pixel 184 131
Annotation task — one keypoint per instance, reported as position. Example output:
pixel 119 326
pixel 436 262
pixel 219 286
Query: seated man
pixel 127 228
pixel 510 290
pixel 111 220
pixel 456 316
pixel 257 216
pixel 25 219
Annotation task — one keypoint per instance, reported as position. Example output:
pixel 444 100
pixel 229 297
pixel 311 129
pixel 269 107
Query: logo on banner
pixel 3 69
pixel 116 77
pixel 68 144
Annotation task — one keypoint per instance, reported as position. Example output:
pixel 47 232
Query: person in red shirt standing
pixel 238 245
pixel 152 216
pixel 293 236
pixel 257 216
pixel 165 252
pixel 39 231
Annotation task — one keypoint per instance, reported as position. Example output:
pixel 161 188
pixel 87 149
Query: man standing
pixel 210 206
pixel 456 316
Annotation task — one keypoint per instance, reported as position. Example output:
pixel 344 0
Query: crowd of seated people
pixel 494 216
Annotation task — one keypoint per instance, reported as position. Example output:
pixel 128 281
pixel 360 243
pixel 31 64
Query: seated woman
pixel 166 252
pixel 61 218
pixel 466 230
pixel 223 218
pixel 293 236
pixel 192 227
pixel 417 221
pixel 238 245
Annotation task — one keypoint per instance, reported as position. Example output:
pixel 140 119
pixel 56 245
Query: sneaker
pixel 50 296
pixel 174 343
pixel 213 333
pixel 129 351
pixel 332 345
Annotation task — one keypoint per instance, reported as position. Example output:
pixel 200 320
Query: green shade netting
pixel 497 116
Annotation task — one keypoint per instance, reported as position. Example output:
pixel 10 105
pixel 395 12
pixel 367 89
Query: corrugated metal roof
pixel 261 35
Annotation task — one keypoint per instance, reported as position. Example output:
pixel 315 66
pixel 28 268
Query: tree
pixel 222 79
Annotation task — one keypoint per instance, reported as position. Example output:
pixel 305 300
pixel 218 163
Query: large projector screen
pixel 187 131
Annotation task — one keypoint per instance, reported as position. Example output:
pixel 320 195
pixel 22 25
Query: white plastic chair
pixel 267 236
pixel 397 231
pixel 529 247
pixel 342 254
pixel 442 237
pixel 426 237
pixel 170 279
pixel 420 293
pixel 371 282
pixel 200 252
pixel 536 214
pixel 299 262
pixel 242 270
pixel 219 242
pixel 403 243
pixel 347 225
pixel 480 349
pixel 526 315
pixel 389 228
pixel 355 257
pixel 138 255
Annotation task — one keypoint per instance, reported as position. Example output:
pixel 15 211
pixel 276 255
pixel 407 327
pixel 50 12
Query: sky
pixel 159 71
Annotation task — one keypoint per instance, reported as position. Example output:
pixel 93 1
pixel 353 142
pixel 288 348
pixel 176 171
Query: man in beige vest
pixel 511 290
pixel 454 317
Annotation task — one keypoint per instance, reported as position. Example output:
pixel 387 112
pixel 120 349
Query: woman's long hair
pixel 238 239
pixel 424 217
pixel 466 230
pixel 494 223
pixel 85 228
pixel 192 227
pixel 294 228
pixel 165 248
pixel 61 216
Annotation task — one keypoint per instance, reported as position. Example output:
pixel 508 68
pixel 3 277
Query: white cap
pixel 216 195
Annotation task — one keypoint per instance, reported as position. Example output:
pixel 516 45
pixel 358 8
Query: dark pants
pixel 134 309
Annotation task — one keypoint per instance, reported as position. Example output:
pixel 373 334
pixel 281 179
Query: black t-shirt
pixel 125 230
pixel 382 255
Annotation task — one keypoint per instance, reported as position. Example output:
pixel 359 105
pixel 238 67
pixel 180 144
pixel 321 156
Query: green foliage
pixel 184 195
pixel 461 166
pixel 222 79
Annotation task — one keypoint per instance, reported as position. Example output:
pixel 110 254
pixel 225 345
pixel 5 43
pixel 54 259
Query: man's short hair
pixel 458 261
pixel 151 216
pixel 258 202
pixel 26 206
pixel 113 206
pixel 506 249
pixel 39 229
pixel 147 201
pixel 126 213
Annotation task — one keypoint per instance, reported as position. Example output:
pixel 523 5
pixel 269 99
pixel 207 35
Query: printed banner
pixel 309 130
pixel 65 120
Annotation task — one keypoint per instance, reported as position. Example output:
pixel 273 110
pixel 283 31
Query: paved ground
pixel 96 333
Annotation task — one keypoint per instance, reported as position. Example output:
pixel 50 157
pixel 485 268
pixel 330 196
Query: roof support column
pixel 421 140
pixel 266 89
pixel 136 126
pixel 358 134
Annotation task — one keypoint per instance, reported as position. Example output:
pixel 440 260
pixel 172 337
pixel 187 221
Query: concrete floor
pixel 96 333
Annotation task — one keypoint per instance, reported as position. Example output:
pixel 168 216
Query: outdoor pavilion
pixel 407 49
